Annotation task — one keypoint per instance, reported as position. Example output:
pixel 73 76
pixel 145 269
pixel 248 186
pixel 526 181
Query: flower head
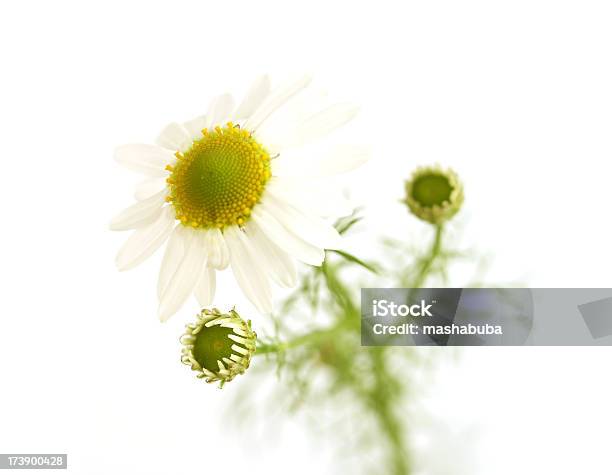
pixel 218 346
pixel 218 181
pixel 433 194
pixel 231 189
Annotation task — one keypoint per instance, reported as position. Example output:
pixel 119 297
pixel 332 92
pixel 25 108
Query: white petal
pixel 310 228
pixel 205 288
pixel 146 189
pixel 286 240
pixel 320 198
pixel 341 159
pixel 148 159
pixel 220 110
pixel 275 100
pixel 318 125
pixel 182 283
pixel 283 124
pixel 249 275
pixel 344 158
pixel 256 95
pixel 139 214
pixel 279 265
pixel 195 126
pixel 145 241
pixel 175 251
pixel 174 137
pixel 218 254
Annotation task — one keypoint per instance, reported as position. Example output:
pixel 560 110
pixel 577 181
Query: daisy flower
pixel 230 189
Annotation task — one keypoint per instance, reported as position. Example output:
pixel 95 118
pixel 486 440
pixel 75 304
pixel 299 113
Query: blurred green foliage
pixel 372 387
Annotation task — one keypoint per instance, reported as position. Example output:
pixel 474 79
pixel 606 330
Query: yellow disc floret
pixel 219 179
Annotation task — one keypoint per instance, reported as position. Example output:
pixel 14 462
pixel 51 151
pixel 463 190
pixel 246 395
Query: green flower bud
pixel 433 194
pixel 218 346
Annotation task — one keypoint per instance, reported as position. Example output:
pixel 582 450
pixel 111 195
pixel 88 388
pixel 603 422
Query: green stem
pixel 384 403
pixel 428 261
pixel 340 345
pixel 312 337
pixel 267 348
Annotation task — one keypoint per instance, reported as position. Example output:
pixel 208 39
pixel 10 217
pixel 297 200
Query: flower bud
pixel 433 194
pixel 218 346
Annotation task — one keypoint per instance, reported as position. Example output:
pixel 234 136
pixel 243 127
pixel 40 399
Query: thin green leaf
pixel 344 227
pixel 356 260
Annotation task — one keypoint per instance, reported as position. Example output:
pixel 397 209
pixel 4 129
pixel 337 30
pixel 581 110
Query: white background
pixel 515 95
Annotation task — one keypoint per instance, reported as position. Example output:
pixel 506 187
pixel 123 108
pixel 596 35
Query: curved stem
pixel 428 261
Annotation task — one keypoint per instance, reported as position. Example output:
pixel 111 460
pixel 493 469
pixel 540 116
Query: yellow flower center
pixel 218 181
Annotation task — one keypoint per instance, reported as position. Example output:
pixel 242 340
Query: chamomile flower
pixel 218 346
pixel 230 189
pixel 433 194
